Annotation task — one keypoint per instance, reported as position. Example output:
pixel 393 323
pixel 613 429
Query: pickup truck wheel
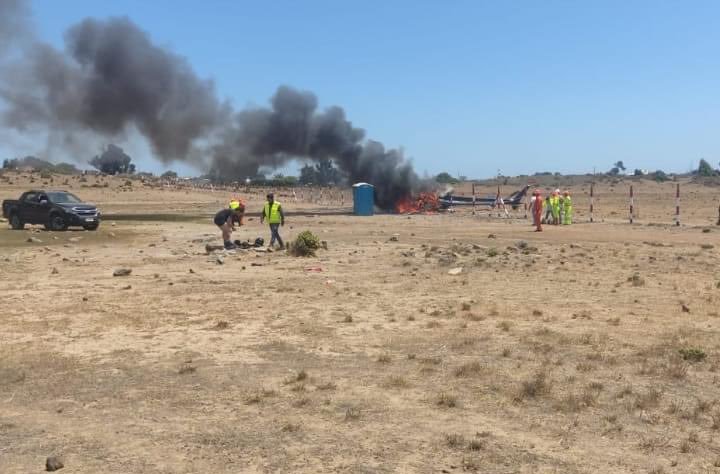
pixel 91 227
pixel 16 223
pixel 57 222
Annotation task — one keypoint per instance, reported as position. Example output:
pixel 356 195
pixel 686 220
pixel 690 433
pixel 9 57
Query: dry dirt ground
pixel 584 349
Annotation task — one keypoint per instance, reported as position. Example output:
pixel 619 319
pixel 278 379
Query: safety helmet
pixel 236 205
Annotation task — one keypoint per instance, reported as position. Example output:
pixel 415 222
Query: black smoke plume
pixel 111 78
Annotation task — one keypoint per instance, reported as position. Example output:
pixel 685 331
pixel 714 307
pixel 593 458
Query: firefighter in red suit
pixel 537 208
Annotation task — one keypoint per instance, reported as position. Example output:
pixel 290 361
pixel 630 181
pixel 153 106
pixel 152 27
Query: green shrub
pixel 692 354
pixel 305 244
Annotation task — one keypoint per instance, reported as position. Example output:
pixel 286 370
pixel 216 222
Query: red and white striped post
pixel 632 202
pixel 677 205
pixel 592 200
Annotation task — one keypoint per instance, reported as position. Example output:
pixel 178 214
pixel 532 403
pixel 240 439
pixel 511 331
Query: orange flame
pixel 422 203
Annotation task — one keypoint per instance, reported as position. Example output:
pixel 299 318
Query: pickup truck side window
pixel 42 197
pixel 31 197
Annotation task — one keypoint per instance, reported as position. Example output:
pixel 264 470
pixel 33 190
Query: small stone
pixel 455 271
pixel 53 463
pixel 394 238
pixel 492 236
pixel 112 224
pixel 129 287
pixel 219 259
pixel 85 298
pixel 74 239
pixel 55 271
pixel 191 271
pixel 34 240
pixel 112 234
pixel 122 272
pixel 685 308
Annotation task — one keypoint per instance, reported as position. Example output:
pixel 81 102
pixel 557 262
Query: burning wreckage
pixel 429 202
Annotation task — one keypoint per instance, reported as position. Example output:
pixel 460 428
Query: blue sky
pixel 468 87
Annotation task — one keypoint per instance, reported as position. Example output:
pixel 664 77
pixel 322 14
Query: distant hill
pixel 38 164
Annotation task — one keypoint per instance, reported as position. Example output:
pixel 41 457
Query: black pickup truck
pixel 57 210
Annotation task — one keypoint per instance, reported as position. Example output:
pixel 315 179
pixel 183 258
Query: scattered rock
pixel 191 271
pixel 2 219
pixel 112 224
pixel 221 325
pixel 492 236
pixel 112 234
pixel 255 264
pixel 74 239
pixel 209 248
pixel 324 244
pixel 685 308
pixel 55 271
pixel 34 240
pixel 122 272
pixel 455 271
pixel 219 259
pixel 85 298
pixel 394 238
pixel 129 287
pixel 53 463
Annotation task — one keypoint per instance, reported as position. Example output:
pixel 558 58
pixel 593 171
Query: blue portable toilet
pixel 363 199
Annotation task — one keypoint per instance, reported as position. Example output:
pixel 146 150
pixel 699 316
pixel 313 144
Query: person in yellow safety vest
pixel 273 214
pixel 555 206
pixel 567 208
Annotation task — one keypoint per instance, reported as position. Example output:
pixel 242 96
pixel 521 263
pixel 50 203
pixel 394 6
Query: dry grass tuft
pixel 469 369
pixel 454 440
pixel 327 386
pixel 504 325
pixel 447 400
pixel 396 381
pixel 290 427
pixel 352 414
pixel 534 387
pixel 384 358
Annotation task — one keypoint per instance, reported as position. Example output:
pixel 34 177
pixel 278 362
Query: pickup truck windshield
pixel 62 198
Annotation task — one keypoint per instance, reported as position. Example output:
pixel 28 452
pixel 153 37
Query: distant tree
pixel 307 174
pixel 660 176
pixel 6 163
pixel 462 178
pixel 324 173
pixel 637 172
pixel 113 160
pixel 619 165
pixel 169 174
pixel 614 171
pixel 445 178
pixel 704 169
pixel 327 173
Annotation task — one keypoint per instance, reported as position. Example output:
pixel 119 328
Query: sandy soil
pixel 582 349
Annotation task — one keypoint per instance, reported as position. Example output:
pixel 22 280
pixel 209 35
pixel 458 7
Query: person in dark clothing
pixel 226 218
